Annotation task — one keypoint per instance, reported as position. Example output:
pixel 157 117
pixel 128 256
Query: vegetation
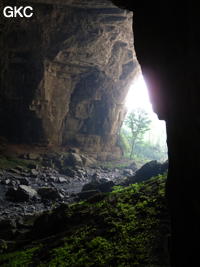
pixel 132 140
pixel 127 227
pixel 11 162
pixel 18 259
pixel 138 123
pixel 149 151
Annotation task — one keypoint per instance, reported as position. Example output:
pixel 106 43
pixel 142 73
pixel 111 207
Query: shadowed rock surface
pixel 34 187
pixel 105 230
pixel 66 72
pixel 148 170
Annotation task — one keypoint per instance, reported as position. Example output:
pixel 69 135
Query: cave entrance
pixel 143 135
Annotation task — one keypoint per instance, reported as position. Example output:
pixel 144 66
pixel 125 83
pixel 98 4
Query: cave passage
pixel 153 145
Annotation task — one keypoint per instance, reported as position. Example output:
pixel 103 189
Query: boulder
pixel 21 194
pixel 49 193
pixel 149 170
pixel 90 186
pixel 102 185
pixel 23 181
pixel 75 159
pixel 106 187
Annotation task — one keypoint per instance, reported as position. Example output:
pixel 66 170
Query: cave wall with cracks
pixel 52 64
pixel 65 74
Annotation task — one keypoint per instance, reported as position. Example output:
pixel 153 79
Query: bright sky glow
pixel 138 97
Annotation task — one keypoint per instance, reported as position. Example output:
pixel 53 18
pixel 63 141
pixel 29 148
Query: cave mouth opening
pixel 150 144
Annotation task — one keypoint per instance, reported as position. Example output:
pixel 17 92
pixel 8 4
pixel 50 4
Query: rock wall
pixel 167 47
pixel 65 74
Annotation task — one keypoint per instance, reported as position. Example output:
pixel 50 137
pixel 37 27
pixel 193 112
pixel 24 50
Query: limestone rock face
pixel 65 74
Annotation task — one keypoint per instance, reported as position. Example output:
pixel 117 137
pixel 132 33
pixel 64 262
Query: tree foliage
pixel 138 123
pixel 146 147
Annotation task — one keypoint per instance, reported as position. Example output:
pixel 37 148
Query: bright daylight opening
pixel 150 144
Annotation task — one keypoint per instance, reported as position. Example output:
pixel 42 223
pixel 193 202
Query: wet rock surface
pixel 24 192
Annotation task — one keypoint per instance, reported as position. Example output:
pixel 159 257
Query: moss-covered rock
pixel 128 227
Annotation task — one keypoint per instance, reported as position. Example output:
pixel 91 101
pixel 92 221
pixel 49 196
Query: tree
pixel 138 122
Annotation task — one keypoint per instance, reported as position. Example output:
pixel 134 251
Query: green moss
pixel 18 259
pixel 124 229
pixel 11 162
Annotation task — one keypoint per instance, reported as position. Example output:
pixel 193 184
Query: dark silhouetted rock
pixel 106 187
pixel 148 170
pixel 102 185
pixel 49 193
pixel 21 194
pixel 23 181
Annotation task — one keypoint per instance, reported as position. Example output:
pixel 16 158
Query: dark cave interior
pixel 65 73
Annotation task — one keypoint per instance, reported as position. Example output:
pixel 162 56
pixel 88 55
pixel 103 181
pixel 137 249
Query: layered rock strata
pixel 65 73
